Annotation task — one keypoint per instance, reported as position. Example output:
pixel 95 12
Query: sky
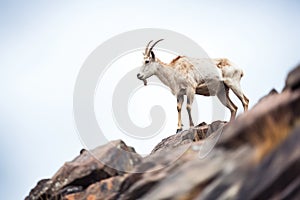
pixel 45 43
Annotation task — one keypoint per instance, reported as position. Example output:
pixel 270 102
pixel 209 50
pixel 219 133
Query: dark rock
pixel 88 168
pixel 194 175
pixel 266 125
pixel 272 92
pixel 278 172
pixel 99 190
pixel 200 131
pixel 40 190
pixel 173 141
pixel 293 79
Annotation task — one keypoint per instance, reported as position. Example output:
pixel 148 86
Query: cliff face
pixel 257 156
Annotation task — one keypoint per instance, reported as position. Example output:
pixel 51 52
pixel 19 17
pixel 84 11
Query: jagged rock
pixel 276 115
pixel 40 189
pixel 189 179
pixel 255 156
pixel 86 169
pixel 277 175
pixel 272 92
pixel 99 190
pixel 201 131
pixel 293 81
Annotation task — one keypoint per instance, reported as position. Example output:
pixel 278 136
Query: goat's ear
pixel 152 55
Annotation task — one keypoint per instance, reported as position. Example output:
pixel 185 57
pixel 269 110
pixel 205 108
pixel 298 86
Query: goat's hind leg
pixel 223 96
pixel 234 84
pixel 237 90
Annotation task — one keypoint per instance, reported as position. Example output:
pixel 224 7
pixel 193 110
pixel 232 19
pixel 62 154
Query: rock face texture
pixel 256 156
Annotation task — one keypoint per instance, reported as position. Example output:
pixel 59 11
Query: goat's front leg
pixel 190 98
pixel 179 106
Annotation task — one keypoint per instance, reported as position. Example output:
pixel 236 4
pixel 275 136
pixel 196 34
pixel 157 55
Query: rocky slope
pixel 257 156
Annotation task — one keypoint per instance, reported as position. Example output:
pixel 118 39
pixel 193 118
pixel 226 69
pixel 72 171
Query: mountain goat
pixel 190 76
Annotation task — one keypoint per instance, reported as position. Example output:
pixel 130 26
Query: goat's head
pixel 149 66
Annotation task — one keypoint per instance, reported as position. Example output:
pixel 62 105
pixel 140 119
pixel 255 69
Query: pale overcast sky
pixel 43 46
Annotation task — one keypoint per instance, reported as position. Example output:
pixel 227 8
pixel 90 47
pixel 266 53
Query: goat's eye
pixel 147 61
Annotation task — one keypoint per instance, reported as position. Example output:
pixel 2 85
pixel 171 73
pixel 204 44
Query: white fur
pixel 190 76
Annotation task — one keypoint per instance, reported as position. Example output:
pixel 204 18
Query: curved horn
pixel 152 55
pixel 146 50
pixel 154 45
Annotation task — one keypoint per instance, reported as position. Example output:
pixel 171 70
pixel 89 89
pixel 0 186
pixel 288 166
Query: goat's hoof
pixel 179 130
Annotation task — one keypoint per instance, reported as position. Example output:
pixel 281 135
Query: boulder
pixel 86 169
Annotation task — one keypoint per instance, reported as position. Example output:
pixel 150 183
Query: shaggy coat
pixel 190 76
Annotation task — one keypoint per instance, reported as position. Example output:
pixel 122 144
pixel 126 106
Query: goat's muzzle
pixel 145 82
pixel 139 76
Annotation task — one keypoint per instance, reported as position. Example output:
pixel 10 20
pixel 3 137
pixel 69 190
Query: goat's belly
pixel 203 91
pixel 209 88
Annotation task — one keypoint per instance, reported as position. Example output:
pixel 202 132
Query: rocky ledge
pixel 256 156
